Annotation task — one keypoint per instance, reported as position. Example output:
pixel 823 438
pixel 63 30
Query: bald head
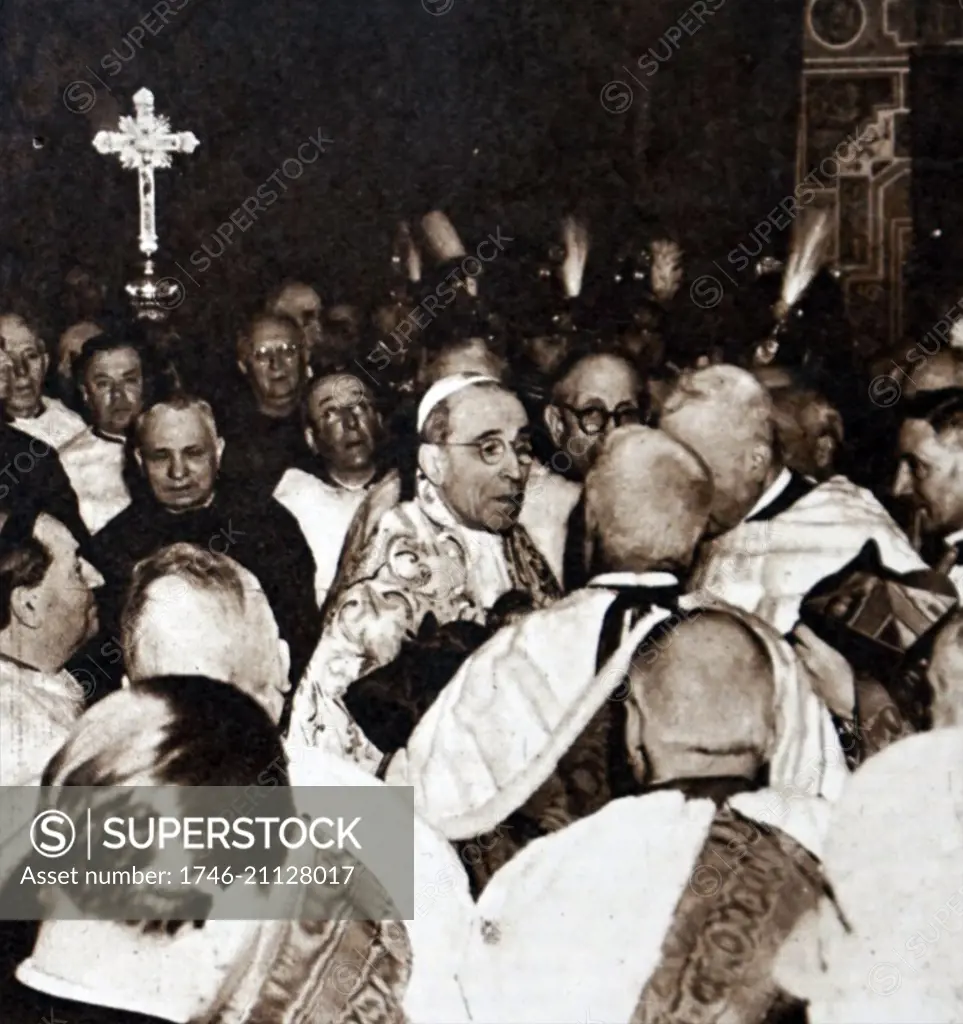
pixel 191 612
pixel 299 302
pixel 462 355
pixel 701 704
pixel 810 431
pixel 945 673
pixel 647 502
pixel 726 416
pixel 942 369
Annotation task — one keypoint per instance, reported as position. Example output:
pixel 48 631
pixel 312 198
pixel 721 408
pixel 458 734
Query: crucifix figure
pixel 145 143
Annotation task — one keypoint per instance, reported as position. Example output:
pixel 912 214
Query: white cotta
pixel 892 857
pixel 767 567
pixel 572 927
pixel 324 512
pixel 95 468
pixel 498 730
pixel 56 425
pixel 444 910
pixel 37 712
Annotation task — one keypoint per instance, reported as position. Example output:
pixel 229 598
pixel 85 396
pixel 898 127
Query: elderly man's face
pixel 303 305
pixel 485 461
pixel 822 428
pixel 930 475
pixel 600 394
pixel 545 351
pixel 342 424
pixel 113 389
pixel 275 366
pixel 28 361
pixel 737 465
pixel 180 456
pixel 63 601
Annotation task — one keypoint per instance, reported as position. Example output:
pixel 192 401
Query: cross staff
pixel 145 143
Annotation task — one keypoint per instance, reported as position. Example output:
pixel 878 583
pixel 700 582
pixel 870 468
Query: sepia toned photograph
pixel 481 512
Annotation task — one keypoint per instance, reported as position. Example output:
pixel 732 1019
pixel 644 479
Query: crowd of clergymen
pixel 677 699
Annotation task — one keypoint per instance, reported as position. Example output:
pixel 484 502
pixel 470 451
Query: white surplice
pixel 324 512
pixel 56 425
pixel 767 566
pixel 95 467
pixel 444 909
pixel 37 712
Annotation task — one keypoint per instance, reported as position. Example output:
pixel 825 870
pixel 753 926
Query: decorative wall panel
pixel 856 78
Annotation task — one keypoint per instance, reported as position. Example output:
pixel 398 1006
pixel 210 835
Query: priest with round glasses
pixel 452 552
pixel 594 391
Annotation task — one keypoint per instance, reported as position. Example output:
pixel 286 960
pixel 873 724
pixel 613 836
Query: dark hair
pixel 168 731
pixel 24 560
pixel 114 338
pixel 942 409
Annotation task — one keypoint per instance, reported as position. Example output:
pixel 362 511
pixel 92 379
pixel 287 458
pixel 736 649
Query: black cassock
pixel 261 535
pixel 32 480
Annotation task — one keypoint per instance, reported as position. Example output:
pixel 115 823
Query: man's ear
pixel 590 553
pixel 555 424
pixel 23 607
pixel 85 395
pixel 309 438
pixel 45 362
pixel 825 451
pixel 139 459
pixel 760 460
pixel 242 366
pixel 219 448
pixel 431 461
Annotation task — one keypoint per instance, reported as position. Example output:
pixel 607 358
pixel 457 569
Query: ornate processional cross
pixel 145 143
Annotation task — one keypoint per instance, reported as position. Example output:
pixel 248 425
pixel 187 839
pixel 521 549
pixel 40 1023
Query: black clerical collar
pixel 16 662
pixel 108 437
pixel 193 510
pixel 288 419
pixel 788 488
pixel 327 477
pixel 41 409
pixel 955 540
pixel 942 553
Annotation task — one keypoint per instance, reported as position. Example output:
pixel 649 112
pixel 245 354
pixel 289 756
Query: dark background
pixel 490 111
